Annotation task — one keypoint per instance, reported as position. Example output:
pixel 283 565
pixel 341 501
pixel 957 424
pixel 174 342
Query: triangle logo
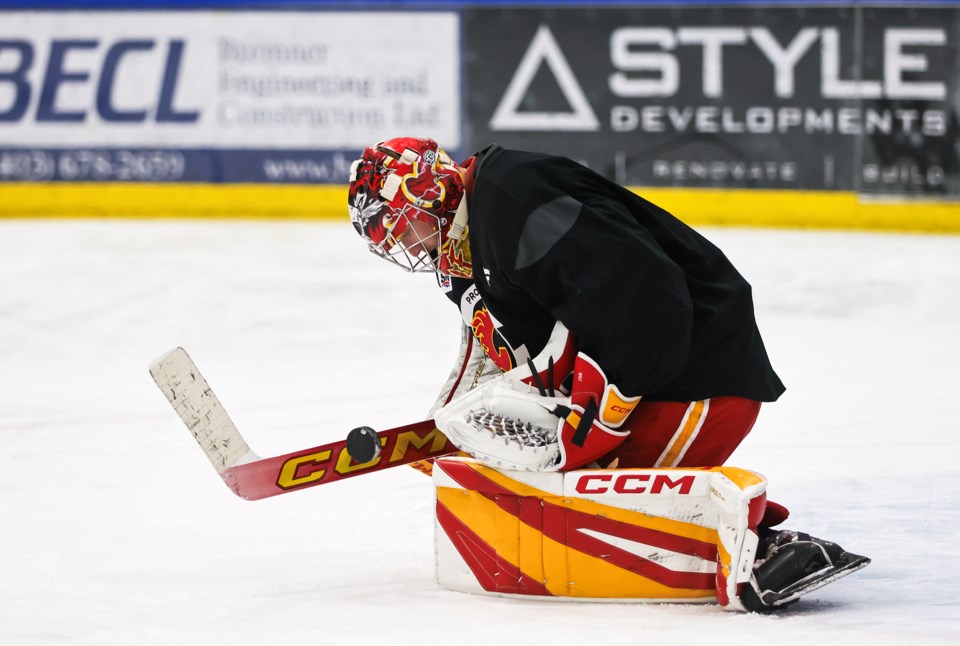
pixel 544 49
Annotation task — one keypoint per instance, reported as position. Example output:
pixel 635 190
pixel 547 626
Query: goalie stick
pixel 252 477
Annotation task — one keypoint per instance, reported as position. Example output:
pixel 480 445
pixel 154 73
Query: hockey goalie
pixel 610 364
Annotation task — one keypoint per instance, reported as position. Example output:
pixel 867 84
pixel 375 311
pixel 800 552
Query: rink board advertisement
pixel 811 98
pixel 769 115
pixel 217 96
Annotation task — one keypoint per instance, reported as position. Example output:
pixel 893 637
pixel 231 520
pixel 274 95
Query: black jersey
pixel 659 308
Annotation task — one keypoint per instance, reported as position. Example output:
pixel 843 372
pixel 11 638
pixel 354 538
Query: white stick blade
pixel 201 411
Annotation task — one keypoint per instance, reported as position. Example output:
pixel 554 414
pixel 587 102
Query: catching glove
pixel 513 425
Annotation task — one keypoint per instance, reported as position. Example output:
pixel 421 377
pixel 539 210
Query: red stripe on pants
pixel 653 425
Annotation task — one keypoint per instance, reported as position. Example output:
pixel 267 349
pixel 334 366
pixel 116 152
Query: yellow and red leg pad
pixel 741 500
pixel 625 534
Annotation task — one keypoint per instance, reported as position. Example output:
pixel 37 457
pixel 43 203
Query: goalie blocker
pixel 655 535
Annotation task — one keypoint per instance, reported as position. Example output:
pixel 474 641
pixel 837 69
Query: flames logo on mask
pixel 423 190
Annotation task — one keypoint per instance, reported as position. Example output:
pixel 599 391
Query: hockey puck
pixel 363 444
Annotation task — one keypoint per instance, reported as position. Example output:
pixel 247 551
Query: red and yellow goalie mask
pixel 400 182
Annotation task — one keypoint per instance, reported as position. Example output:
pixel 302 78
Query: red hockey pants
pixel 684 434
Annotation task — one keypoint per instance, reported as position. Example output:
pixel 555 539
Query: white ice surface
pixel 115 530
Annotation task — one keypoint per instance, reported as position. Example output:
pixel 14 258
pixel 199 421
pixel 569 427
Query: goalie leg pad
pixel 626 534
pixel 741 499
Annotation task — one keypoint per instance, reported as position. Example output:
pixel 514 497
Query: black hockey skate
pixel 791 564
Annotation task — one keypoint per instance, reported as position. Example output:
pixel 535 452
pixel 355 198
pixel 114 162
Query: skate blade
pixel 816 581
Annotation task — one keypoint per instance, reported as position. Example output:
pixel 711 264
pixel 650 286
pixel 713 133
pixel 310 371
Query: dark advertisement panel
pixel 827 98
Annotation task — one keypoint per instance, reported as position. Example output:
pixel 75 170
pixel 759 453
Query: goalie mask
pixel 403 181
